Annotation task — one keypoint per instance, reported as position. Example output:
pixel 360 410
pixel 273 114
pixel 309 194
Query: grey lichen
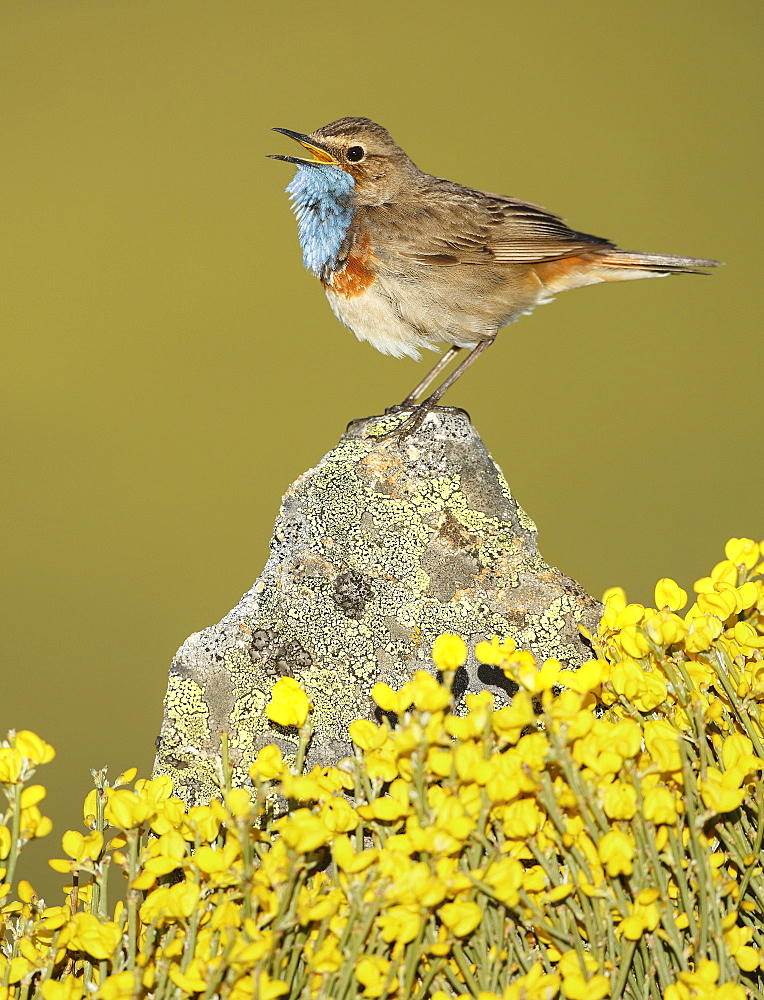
pixel 377 551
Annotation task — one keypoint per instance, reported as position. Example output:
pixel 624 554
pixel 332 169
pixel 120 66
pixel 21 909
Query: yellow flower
pixel 11 765
pixel 702 631
pixel 339 816
pixel 400 923
pixel 536 985
pixel 367 736
pixel 616 852
pixel 449 652
pixel 505 877
pixel 440 762
pixel 471 764
pixel 668 594
pixel 382 763
pixel 373 973
pixel 193 980
pixel 302 787
pixel 5 842
pixel 666 629
pixel 268 764
pixel 509 778
pixel 98 938
pixel 54 917
pixel 742 552
pixel 722 604
pixel 238 802
pixel 737 939
pixel 450 816
pixel 82 849
pixel 522 819
pixel 747 638
pixel 429 695
pixel 170 903
pixel 303 831
pixel 417 886
pixel 201 822
pixel 312 907
pixel 269 989
pixel 633 641
pixel 573 964
pixel 495 652
pixel 289 705
pixel 389 808
pixel 125 810
pixel 568 714
pixel 644 689
pixel 218 863
pixel 34 824
pixel 392 701
pixel 620 800
pixel 662 742
pixel 509 722
pixel 721 792
pixel 461 918
pixel 346 858
pixel 587 678
pixel 154 790
pixel 660 806
pixel 575 987
pixel 68 987
pixel 120 986
pixel 737 751
pixel 644 915
pixel 748 594
pixel 614 599
pixel 328 958
pixel 30 745
pixel 545 678
pixel 522 668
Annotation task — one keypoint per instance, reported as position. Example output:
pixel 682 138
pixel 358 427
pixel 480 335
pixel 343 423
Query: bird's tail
pixel 657 263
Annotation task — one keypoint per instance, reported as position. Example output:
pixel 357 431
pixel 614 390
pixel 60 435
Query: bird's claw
pixel 409 426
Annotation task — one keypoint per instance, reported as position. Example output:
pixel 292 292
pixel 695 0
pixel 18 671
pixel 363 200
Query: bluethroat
pixel 409 260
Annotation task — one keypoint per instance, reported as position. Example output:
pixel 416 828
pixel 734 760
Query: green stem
pixel 132 898
pixel 461 960
pixel 624 965
pixel 15 830
pixel 698 854
pixel 190 942
pixel 225 762
pixel 306 732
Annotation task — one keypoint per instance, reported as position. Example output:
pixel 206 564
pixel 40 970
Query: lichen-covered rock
pixel 377 551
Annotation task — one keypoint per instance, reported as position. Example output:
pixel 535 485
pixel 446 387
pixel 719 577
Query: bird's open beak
pixel 320 154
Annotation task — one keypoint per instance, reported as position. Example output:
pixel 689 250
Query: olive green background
pixel 169 367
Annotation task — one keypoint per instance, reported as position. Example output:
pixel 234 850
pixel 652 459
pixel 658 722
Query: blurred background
pixel 169 367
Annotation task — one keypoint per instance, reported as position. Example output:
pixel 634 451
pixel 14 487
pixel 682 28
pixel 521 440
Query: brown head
pixel 363 149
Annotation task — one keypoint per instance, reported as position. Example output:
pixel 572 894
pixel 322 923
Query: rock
pixel 377 551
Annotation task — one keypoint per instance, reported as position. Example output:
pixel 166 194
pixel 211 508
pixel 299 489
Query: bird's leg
pixel 422 409
pixel 456 373
pixel 429 378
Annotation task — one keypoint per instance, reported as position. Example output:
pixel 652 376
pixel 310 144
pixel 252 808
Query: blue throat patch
pixel 323 203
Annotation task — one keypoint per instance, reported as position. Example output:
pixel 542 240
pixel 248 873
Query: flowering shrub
pixel 599 837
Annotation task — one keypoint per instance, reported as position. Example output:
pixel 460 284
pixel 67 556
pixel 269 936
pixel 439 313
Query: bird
pixel 410 261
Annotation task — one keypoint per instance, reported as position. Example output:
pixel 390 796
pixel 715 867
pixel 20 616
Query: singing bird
pixel 409 260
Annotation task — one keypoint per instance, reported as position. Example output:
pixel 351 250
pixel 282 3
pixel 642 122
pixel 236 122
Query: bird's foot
pixel 414 421
pixel 410 425
pixel 405 405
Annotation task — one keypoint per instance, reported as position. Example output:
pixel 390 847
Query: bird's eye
pixel 355 153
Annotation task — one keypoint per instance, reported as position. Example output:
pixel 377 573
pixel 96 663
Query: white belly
pixel 398 327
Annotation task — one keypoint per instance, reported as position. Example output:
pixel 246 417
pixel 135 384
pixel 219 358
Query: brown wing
pixel 450 224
